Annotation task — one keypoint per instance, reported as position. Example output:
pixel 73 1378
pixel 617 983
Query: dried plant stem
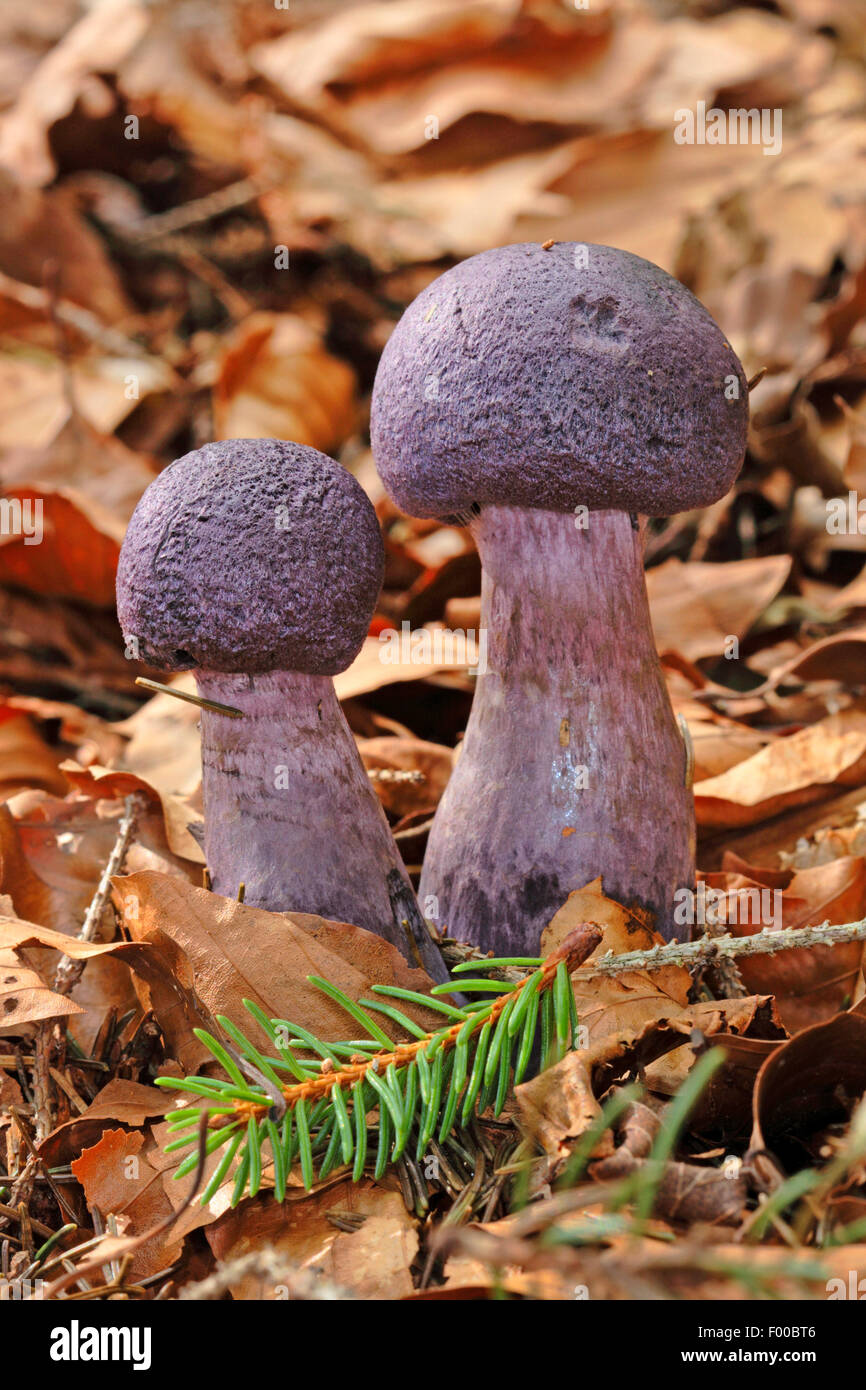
pixel 69 971
pixel 712 948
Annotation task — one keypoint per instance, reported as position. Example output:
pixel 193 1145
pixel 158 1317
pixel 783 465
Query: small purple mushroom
pixel 257 563
pixel 555 395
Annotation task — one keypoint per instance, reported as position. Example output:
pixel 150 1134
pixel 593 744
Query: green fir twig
pixel 363 1102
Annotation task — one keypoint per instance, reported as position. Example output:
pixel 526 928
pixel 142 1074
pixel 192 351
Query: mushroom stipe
pixel 579 389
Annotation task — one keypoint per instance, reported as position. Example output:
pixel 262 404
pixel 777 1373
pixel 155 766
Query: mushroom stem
pixel 290 812
pixel 572 765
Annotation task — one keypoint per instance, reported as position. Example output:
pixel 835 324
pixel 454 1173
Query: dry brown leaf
pixel 98 41
pixel 176 846
pixel 25 760
pixel 96 465
pixel 119 1102
pixel 370 672
pixel 277 381
pixel 719 743
pixel 164 747
pixel 118 1180
pixel 25 998
pixel 789 772
pixel 77 555
pixel 236 952
pixel 432 761
pixel 616 1003
pixel 697 607
pixel 373 1261
pixel 808 1083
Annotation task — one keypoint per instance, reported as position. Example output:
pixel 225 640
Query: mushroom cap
pixel 525 377
pixel 251 555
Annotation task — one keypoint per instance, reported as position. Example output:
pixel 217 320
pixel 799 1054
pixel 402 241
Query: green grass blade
pixel 663 1146
pixel 613 1107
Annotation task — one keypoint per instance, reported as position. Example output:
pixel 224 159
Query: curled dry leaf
pixel 686 1192
pixel 789 772
pixel 120 1102
pixel 25 998
pixel 631 1021
pixel 810 1083
pixel 177 848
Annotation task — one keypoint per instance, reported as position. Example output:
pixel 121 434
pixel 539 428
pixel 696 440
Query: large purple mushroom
pixel 558 396
pixel 257 564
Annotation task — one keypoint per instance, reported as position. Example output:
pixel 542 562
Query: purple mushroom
pixel 257 563
pixel 555 395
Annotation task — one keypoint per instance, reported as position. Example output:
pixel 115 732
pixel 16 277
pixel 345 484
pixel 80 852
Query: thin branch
pixel 710 948
pixel 68 971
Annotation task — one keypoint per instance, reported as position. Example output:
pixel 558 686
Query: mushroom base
pixel 290 811
pixel 573 766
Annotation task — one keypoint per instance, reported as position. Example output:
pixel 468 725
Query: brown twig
pixel 68 971
pixel 711 948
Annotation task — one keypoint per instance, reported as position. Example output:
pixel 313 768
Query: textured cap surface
pixel 251 555
pixel 526 377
